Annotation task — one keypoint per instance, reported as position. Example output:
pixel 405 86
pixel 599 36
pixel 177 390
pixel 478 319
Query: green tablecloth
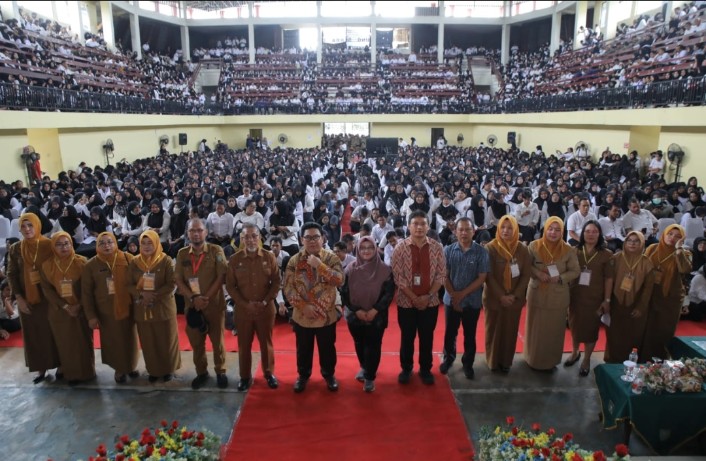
pixel 685 346
pixel 663 421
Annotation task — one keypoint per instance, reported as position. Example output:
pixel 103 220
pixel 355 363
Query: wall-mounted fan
pixel 460 138
pixel 675 154
pixel 163 140
pixel 492 140
pixel 108 149
pixel 282 138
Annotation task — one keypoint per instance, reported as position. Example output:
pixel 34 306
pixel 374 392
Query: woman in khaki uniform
pixel 554 267
pixel 590 294
pixel 24 260
pixel 505 293
pixel 107 304
pixel 671 261
pixel 61 284
pixel 151 284
pixel 634 281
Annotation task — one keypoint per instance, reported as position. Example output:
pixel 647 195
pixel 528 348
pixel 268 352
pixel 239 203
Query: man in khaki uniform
pixel 200 273
pixel 253 281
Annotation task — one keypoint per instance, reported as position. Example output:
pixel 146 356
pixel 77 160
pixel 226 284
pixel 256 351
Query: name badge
pixel 658 276
pixel 194 285
pixel 553 271
pixel 585 278
pixel 66 289
pixel 514 270
pixel 148 282
pixel 110 284
pixel 34 277
pixel 417 280
pixel 627 283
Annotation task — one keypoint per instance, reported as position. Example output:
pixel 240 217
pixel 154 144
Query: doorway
pixel 436 133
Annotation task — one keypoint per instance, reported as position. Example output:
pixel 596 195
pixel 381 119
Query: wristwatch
pixel 606 301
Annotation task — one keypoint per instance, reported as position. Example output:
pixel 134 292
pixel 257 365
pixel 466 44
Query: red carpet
pixel 349 424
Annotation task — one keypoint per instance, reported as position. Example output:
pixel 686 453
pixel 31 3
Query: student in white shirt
pixel 527 215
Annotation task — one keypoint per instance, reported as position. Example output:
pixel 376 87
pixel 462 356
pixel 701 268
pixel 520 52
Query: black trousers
pixel 469 318
pixel 368 347
pixel 414 322
pixel 325 341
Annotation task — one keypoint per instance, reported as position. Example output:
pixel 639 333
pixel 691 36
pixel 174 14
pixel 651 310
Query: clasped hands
pixel 366 316
pixel 546 278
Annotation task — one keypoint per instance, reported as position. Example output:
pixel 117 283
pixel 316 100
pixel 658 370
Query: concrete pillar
pixel 373 43
pixel 54 11
pixel 108 26
pixel 611 22
pixel 10 10
pixel 185 44
pixel 75 20
pixel 556 32
pixel 251 42
pixel 597 8
pixel 92 17
pixel 505 44
pixel 135 35
pixel 579 20
pixel 320 35
pixel 440 44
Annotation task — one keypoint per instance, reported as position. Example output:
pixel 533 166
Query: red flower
pixel 556 457
pixel 510 420
pixel 185 435
pixel 101 450
pixel 515 431
pixel 200 436
pixel 175 424
pixel 559 444
pixel 621 450
pixel 164 423
pixel 146 431
pixel 149 450
pixel 170 431
pixel 551 431
pixel 516 442
pixel 199 443
pixel 599 456
pixel 545 452
pixel 120 457
pixel 119 446
pixel 576 457
pixel 568 437
pixel 163 451
pixel 125 439
pixel 535 452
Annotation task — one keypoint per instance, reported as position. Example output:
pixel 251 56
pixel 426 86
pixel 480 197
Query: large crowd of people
pixel 117 248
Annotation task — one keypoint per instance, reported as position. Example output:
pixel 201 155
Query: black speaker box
pixel 182 139
pixel 511 137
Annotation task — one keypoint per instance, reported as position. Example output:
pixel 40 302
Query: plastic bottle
pixel 633 355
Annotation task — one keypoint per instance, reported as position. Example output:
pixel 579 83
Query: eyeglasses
pixel 105 243
pixel 250 236
pixel 632 241
pixel 311 238
pixel 62 245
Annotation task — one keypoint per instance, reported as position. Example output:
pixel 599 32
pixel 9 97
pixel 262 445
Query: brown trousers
pixel 216 324
pixel 249 325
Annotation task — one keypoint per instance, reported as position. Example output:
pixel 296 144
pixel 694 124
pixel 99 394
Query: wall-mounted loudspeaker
pixel 182 139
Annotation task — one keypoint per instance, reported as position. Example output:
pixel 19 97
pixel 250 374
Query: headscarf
pixel 664 258
pixel 506 249
pixel 146 263
pixel 71 221
pixel 623 267
pixel 118 263
pixel 552 251
pixel 34 252
pixel 155 220
pixel 58 269
pixel 365 278
pixel 698 257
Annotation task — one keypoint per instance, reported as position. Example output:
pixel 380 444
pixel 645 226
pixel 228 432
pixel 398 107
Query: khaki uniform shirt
pixel 212 267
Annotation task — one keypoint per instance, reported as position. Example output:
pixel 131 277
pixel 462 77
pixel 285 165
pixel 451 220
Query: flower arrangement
pixel 685 375
pixel 513 443
pixel 168 442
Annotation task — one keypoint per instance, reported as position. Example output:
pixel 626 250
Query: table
pixel 663 421
pixel 685 346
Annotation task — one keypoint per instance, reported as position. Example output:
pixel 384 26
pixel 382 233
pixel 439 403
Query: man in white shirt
pixel 242 200
pixel 640 220
pixel 381 229
pixel 612 227
pixel 220 226
pixel 527 215
pixel 576 221
pixel 656 164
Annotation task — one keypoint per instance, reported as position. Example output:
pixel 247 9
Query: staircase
pixel 207 76
pixel 483 77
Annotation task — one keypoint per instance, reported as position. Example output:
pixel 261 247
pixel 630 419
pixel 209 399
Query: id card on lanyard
pixel 148 281
pixel 66 289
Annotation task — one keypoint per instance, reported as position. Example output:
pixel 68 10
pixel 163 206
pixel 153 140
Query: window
pixel 474 9
pixel 361 128
pixel 345 9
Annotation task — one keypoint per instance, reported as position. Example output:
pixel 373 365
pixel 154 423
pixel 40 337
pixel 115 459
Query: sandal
pixel 571 362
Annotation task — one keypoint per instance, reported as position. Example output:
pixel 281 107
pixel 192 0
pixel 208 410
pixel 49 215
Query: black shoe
pixel 120 378
pixel 39 378
pixel 369 385
pixel 332 383
pixel 244 384
pixel 300 384
pixel 221 380
pixel 272 381
pixel 583 372
pixel 199 381
pixel 570 362
pixel 444 367
pixel 469 373
pixel 168 377
pixel 360 376
pixel 404 377
pixel 74 382
pixel 427 377
pixel 152 379
pixel 58 376
pixel 134 374
pixel 505 369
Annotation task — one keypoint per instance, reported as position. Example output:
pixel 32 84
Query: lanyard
pixel 550 253
pixel 502 247
pixel 63 272
pixel 588 261
pixel 154 263
pixel 196 264
pixel 112 266
pixel 632 268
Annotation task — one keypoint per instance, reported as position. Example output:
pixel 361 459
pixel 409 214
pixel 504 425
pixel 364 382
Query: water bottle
pixel 633 355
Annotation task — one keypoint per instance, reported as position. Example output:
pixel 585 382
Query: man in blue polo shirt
pixel 467 265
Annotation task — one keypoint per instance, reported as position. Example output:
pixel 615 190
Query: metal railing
pixel 690 91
